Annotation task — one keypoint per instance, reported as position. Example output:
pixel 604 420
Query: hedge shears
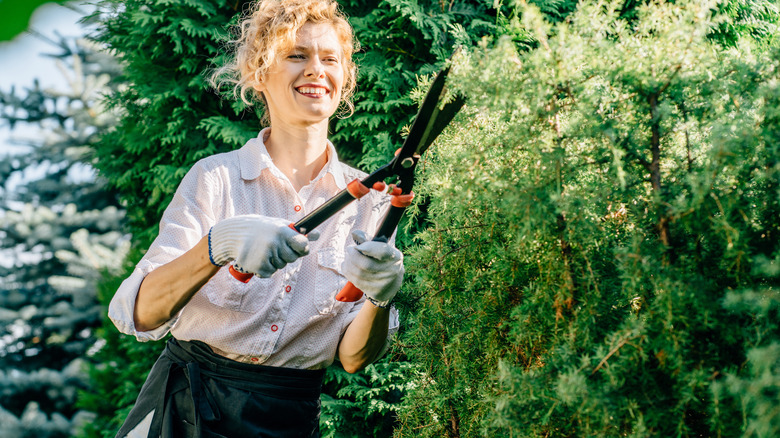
pixel 431 119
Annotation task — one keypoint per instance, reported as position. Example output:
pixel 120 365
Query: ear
pixel 258 85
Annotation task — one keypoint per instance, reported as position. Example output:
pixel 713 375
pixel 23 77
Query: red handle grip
pixel 349 293
pixel 240 276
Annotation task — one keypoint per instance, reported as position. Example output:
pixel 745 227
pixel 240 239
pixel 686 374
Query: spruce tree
pixel 60 231
pixel 602 257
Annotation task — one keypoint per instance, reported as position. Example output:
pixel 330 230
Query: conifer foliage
pixel 59 232
pixel 171 118
pixel 603 252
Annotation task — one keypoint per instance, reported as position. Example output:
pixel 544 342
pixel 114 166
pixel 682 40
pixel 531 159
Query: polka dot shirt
pixel 290 319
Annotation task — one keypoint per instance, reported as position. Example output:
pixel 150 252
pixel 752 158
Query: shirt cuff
pixel 122 307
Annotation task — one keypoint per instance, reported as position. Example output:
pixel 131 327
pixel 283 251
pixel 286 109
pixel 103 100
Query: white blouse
pixel 288 320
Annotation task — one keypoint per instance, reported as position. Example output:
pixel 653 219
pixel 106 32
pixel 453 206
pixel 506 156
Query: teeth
pixel 311 90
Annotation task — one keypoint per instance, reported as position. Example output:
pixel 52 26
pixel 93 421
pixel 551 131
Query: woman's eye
pixel 295 56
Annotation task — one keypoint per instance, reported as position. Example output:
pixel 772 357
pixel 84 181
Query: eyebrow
pixel 323 49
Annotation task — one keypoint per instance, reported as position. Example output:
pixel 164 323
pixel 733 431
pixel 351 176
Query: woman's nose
pixel 314 68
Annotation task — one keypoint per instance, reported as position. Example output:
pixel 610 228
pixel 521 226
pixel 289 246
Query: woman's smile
pixel 313 90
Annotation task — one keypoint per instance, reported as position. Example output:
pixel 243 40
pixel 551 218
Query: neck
pixel 299 152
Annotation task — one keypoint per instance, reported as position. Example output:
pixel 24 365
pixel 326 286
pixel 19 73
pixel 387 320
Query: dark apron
pixel 197 393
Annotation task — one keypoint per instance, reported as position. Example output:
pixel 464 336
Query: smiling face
pixel 305 84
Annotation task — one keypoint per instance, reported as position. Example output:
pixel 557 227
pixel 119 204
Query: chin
pixel 322 114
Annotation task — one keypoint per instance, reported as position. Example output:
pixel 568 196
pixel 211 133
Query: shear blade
pixel 431 119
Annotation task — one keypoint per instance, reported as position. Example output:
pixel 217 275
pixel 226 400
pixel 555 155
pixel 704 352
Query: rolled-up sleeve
pixel 185 221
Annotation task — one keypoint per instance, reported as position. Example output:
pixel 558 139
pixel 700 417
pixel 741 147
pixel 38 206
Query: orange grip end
pixel 402 201
pixel 379 186
pixel 240 276
pixel 357 189
pixel 349 293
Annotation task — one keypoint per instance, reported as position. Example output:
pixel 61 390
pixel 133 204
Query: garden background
pixel 593 250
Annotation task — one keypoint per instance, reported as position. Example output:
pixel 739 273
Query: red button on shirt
pixel 297 208
pixel 274 328
pixel 288 289
pixel 255 359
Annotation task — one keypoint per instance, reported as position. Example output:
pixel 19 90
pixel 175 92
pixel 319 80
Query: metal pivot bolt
pixel 407 162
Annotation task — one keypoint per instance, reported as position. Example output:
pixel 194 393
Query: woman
pixel 247 359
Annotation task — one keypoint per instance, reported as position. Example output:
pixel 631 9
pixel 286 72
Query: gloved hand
pixel 376 268
pixel 260 245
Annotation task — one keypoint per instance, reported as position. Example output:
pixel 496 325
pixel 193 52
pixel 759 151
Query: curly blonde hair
pixel 268 29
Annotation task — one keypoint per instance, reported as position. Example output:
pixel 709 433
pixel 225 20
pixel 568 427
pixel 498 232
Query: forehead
pixel 317 36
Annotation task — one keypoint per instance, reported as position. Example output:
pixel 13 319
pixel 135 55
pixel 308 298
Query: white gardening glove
pixel 376 268
pixel 260 245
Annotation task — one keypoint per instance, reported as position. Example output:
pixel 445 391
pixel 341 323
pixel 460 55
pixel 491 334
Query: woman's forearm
pixel 170 287
pixel 365 338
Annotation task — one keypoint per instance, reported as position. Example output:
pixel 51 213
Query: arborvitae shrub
pixel 603 249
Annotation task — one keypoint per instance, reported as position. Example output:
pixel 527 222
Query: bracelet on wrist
pixel 378 304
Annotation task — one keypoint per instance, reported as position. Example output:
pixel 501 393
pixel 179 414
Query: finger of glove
pixel 380 251
pixel 263 266
pixel 359 236
pixel 288 253
pixel 313 235
pixel 360 262
pixel 276 258
pixel 259 256
pixel 265 271
pixel 260 271
pixel 362 271
pixel 297 243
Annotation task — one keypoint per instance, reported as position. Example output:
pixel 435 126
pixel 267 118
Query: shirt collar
pixel 253 158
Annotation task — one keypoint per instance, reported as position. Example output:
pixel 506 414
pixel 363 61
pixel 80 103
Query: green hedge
pixel 595 236
pixel 602 257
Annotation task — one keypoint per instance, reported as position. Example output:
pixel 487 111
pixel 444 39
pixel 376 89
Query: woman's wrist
pixel 379 304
